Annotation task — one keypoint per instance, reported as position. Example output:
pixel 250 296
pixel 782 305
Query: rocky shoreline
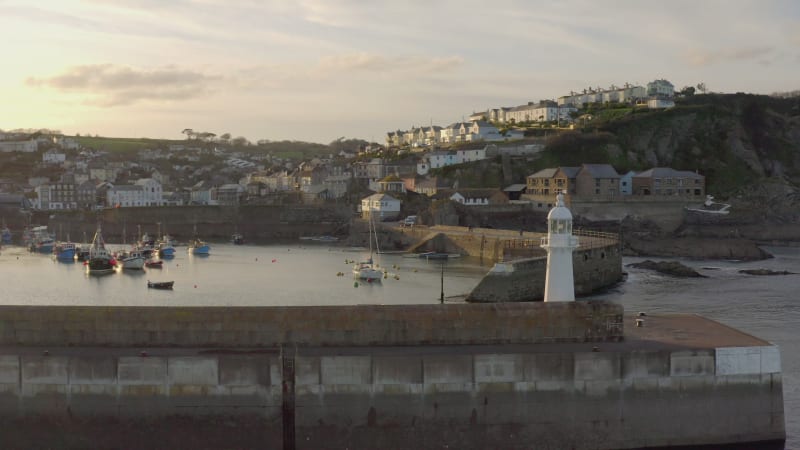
pixel 695 248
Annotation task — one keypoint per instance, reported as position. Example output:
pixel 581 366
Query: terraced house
pixel 668 182
pixel 593 182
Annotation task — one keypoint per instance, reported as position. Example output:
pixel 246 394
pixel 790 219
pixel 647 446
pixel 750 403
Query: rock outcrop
pixel 672 268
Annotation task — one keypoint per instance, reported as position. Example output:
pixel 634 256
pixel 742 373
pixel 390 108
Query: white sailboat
pixel 368 270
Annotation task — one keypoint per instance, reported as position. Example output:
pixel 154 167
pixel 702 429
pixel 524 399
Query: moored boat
pixel 65 251
pixel 199 247
pixel 100 261
pixel 146 245
pixel 237 239
pixel 368 270
pixel 165 248
pixel 133 259
pixel 41 241
pixel 154 264
pixel 160 284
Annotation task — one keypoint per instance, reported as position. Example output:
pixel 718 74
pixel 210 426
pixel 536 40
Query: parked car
pixel 410 221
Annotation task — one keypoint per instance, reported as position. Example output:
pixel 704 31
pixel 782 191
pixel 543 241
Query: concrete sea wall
pixel 360 325
pixel 415 397
pixel 258 223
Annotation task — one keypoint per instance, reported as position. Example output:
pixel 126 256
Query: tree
pixel 687 91
pixel 702 87
pixel 240 141
pixel 225 137
pixel 188 132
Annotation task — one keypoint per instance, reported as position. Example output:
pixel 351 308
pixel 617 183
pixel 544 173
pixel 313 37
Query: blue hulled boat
pixel 65 251
pixel 198 247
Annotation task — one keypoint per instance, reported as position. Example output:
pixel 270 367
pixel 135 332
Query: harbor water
pixel 765 306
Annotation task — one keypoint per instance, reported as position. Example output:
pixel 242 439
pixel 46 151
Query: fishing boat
pixel 368 270
pixel 165 247
pixel 160 284
pixel 154 264
pixel 41 241
pixel 65 251
pixel 82 251
pixel 132 260
pixel 198 246
pixel 146 244
pixel 100 260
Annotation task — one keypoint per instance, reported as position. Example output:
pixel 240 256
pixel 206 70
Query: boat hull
pixel 201 250
pixel 66 256
pixel 167 285
pixel 133 263
pixel 369 274
pixel 99 266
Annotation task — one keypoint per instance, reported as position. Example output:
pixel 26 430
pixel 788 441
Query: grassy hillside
pixel 123 145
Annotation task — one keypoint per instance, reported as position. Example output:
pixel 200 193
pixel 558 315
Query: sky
pixel 318 70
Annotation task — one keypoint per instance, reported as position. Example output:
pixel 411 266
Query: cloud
pixel 697 57
pixel 376 63
pixel 114 85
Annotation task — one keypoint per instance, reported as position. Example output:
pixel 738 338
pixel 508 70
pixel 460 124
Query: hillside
pixel 747 147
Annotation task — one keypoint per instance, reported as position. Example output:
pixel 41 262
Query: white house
pixel 145 192
pixel 483 131
pixel 201 193
pixel 465 156
pixel 152 193
pixel 660 103
pixel 441 159
pixel 381 206
pixel 67 143
pixel 53 157
pixel 125 196
pixel 513 135
pixel 28 146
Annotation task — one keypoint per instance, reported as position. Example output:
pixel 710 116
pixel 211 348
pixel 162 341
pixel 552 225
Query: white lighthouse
pixel 559 283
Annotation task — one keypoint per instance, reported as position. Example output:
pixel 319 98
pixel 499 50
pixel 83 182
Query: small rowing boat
pixel 160 284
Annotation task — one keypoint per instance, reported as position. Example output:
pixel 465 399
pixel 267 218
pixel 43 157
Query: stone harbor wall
pixel 271 327
pixel 523 280
pixel 434 397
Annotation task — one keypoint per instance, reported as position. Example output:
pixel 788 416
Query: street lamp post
pixel 441 297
